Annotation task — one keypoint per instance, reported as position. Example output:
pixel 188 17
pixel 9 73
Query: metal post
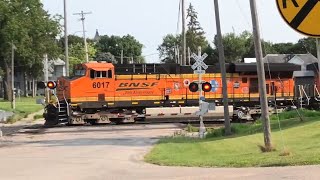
pixel 13 105
pixel 223 71
pixel 66 38
pixel 84 37
pixel 84 33
pixel 261 77
pixel 121 56
pixel 202 129
pixel 318 54
pixel 184 41
pixel 46 77
pixel 189 55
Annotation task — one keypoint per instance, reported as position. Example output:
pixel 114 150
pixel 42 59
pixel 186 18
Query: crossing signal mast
pixel 206 87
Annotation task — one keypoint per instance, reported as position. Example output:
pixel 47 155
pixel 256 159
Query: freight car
pixel 100 92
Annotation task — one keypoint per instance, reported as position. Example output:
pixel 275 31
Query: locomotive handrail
pixel 54 94
pixel 67 104
pixel 316 90
pixel 304 92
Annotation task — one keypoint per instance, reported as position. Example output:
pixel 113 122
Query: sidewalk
pixel 9 129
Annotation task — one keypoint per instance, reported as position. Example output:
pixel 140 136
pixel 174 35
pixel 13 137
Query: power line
pixel 84 32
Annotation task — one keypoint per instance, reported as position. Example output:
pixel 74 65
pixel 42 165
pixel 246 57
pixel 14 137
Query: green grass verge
pixel 24 107
pixel 299 139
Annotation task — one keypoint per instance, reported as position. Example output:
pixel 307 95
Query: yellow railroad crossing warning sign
pixel 301 15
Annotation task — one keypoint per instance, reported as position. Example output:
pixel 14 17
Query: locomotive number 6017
pixel 100 85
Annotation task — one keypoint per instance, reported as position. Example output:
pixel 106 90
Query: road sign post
pixel 197 67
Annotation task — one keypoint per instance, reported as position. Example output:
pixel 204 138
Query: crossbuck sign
pixel 199 64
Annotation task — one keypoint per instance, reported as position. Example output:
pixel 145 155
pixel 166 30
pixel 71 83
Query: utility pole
pixel 13 104
pixel 318 54
pixel 223 71
pixel 66 38
pixel 84 32
pixel 184 41
pixel 46 77
pixel 261 77
pixel 121 56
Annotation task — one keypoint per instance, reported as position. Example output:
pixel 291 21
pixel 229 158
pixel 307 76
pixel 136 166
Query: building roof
pixel 97 36
pixel 290 58
pixel 58 62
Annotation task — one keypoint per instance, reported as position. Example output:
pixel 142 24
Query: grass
pixel 297 144
pixel 24 107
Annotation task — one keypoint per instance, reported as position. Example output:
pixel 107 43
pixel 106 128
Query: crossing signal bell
pixel 51 85
pixel 206 87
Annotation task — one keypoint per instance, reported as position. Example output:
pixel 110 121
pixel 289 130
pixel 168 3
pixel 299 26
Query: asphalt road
pixel 111 152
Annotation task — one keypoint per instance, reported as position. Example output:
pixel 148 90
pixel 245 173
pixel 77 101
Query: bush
pixel 191 128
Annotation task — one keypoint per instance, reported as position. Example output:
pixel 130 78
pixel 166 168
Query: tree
pixel 168 49
pixel 234 46
pixel 195 34
pixel 77 54
pixel 32 30
pixel 108 57
pixel 194 38
pixel 115 44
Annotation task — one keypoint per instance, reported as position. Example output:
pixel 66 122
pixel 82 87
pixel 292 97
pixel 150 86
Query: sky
pixel 150 20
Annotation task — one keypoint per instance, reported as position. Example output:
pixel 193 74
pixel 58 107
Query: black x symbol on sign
pixel 303 13
pixel 284 3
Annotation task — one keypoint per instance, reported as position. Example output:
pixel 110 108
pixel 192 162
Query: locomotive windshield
pixel 79 70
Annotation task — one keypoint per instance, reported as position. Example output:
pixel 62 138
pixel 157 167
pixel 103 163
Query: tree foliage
pixel 32 30
pixel 195 34
pixel 168 49
pixel 131 47
pixel 77 54
pixel 171 45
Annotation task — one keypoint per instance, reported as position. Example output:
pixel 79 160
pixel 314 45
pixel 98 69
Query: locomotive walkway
pixel 111 152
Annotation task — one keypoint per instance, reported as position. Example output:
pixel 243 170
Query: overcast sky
pixel 150 20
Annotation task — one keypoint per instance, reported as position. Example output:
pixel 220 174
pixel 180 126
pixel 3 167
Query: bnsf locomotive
pixel 101 92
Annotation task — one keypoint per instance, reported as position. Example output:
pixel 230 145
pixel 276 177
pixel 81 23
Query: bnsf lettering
pixel 134 85
pixel 123 85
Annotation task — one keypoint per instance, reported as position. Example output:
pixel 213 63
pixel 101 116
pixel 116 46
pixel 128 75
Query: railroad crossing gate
pixel 301 15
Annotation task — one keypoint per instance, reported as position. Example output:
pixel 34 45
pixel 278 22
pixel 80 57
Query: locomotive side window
pixel 92 73
pixel 98 74
pixel 109 73
pixel 104 74
pixel 244 80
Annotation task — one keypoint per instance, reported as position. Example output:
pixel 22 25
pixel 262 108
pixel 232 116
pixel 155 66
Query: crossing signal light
pixel 51 85
pixel 41 85
pixel 206 87
pixel 193 87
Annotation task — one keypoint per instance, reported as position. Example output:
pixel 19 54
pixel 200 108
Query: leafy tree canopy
pixel 131 47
